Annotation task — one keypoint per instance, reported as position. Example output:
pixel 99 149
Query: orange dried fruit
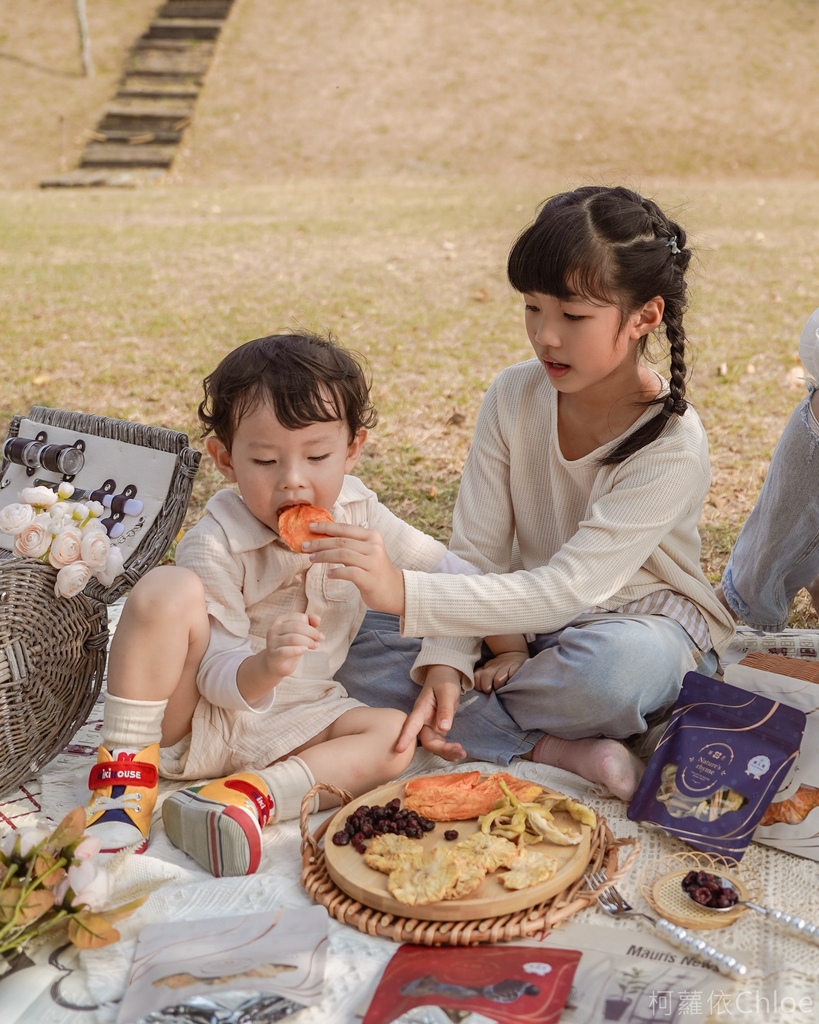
pixel 463 795
pixel 294 524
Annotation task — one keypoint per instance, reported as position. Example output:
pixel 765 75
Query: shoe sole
pixel 222 839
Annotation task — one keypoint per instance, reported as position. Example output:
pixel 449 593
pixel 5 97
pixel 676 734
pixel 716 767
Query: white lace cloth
pixel 783 971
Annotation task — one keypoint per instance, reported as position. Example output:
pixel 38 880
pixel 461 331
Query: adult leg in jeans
pixel 777 551
pixel 377 672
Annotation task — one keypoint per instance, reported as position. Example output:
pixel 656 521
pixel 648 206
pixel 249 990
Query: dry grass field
pixel 362 167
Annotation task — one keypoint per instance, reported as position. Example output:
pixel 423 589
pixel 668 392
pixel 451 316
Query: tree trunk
pixel 85 42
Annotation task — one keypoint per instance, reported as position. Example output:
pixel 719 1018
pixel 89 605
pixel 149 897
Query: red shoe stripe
pixel 123 773
pixel 264 804
pixel 254 843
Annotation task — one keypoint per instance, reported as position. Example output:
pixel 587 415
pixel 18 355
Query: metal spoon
pixel 797 925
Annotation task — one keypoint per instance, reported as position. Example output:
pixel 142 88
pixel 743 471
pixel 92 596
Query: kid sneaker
pixel 124 796
pixel 220 823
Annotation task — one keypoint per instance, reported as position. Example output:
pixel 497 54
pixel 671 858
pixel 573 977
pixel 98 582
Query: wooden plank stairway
pixel 139 134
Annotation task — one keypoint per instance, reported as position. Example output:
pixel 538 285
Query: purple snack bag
pixel 720 762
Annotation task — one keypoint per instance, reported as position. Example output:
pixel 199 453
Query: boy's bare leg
pixel 357 752
pixel 158 645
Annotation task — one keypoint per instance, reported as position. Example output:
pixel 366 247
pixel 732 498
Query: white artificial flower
pixel 14 517
pixel 41 497
pixel 32 541
pixel 95 549
pixel 113 567
pixel 65 490
pixel 80 512
pixel 71 579
pixel 66 547
pixel 90 525
pixel 88 886
pixel 87 848
pixel 27 838
pixel 96 509
pixel 61 515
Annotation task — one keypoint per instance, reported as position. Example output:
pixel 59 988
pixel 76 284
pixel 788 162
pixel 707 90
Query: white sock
pixel 288 782
pixel 131 725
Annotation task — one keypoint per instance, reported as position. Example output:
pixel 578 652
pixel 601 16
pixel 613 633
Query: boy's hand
pixel 288 638
pixel 431 718
pixel 498 670
pixel 359 556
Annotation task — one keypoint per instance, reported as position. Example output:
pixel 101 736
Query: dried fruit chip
pixel 462 795
pixel 530 868
pixel 425 882
pixel 294 524
pixel 391 851
pixel 470 875
pixel 490 852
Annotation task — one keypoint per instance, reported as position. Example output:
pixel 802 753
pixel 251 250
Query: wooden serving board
pixel 348 870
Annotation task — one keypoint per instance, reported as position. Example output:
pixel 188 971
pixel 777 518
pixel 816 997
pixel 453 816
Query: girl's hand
pixel 288 638
pixel 359 556
pixel 497 672
pixel 431 718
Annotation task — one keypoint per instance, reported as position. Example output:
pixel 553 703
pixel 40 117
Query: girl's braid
pixel 672 236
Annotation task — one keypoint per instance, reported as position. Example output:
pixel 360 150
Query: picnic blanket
pixel 85 988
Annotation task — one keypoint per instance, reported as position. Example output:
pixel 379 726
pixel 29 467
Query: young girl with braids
pixel 579 502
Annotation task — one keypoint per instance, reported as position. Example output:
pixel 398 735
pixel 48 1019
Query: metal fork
pixel 611 900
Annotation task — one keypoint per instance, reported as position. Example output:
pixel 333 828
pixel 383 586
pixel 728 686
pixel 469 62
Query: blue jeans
pixel 777 550
pixel 607 675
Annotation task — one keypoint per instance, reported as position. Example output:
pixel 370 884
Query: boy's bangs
pixel 299 406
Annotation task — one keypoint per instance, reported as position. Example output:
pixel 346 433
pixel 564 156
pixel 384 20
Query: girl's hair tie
pixel 672 245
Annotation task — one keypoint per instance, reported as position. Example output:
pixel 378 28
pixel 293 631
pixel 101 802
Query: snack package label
pixel 718 765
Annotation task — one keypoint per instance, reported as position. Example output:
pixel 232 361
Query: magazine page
pixel 632 976
pixel 191 963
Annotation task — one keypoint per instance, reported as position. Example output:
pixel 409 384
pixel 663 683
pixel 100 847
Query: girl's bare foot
pixel 604 761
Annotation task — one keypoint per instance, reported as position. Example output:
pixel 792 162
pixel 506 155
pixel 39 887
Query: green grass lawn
pixel 362 169
pixel 119 302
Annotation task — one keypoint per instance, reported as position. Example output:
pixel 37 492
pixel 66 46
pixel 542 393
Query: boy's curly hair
pixel 303 377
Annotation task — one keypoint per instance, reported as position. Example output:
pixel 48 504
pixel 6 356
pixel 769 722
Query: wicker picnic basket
pixel 53 649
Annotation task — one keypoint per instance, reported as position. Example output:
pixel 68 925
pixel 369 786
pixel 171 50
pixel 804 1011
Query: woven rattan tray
pixel 604 855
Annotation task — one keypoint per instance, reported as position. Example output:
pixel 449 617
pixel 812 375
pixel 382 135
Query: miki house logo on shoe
pixel 123 773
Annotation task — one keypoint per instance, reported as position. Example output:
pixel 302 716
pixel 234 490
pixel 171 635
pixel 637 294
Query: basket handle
pixel 309 841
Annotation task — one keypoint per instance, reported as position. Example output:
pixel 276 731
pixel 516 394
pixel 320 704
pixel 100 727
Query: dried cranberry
pixel 451 834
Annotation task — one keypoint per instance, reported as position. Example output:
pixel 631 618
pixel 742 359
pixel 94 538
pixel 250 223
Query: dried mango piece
pixel 294 524
pixel 459 796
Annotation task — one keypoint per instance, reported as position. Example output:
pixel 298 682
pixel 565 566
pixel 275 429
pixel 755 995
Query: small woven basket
pixel 53 650
pixel 318 884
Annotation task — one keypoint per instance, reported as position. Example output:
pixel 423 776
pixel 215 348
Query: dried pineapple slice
pixel 490 852
pixel 390 851
pixel 426 881
pixel 471 874
pixel 530 868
